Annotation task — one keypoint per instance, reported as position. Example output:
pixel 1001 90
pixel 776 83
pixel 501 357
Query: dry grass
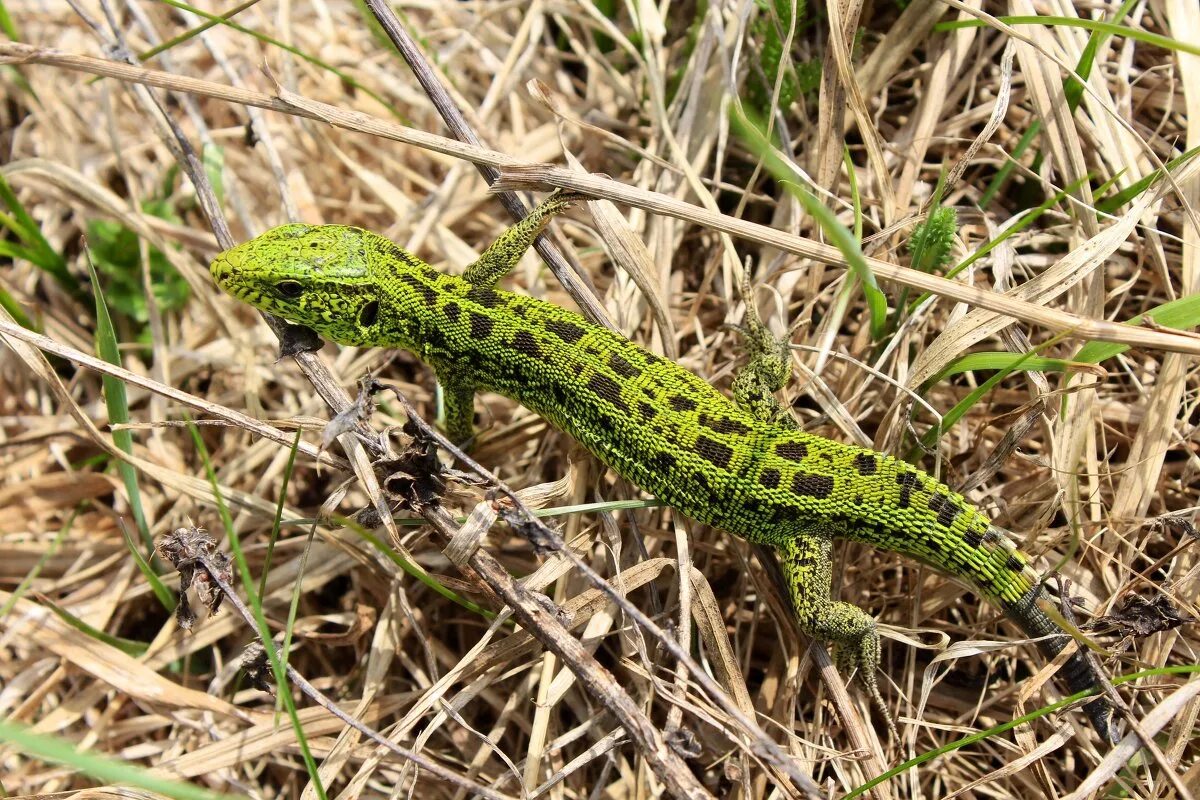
pixel 1087 465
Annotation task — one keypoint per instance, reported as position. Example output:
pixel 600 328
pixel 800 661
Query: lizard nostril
pixel 220 269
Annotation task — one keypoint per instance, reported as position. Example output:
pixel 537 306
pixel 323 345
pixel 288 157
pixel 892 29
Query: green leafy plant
pixel 116 251
pixel 772 27
pixel 932 239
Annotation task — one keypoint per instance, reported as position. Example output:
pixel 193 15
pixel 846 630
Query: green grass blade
pixel 294 606
pixel 28 580
pixel 1009 362
pixel 9 29
pixel 129 647
pixel 7 26
pixel 254 601
pixel 279 506
pixel 39 252
pixel 160 589
pixel 117 403
pixel 1180 314
pixel 1109 205
pixel 1145 37
pixel 411 569
pixel 196 31
pixel 966 741
pixel 1001 178
pixel 751 134
pixel 960 408
pixel 106 770
pixel 10 304
pixel 1072 90
pixel 14 251
pixel 1073 87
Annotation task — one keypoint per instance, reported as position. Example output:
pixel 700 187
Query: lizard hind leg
pixel 805 559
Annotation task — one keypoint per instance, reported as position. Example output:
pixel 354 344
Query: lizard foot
pixel 858 658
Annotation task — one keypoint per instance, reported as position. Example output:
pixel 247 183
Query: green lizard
pixel 741 466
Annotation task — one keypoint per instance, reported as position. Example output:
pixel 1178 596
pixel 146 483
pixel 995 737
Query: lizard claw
pixel 860 659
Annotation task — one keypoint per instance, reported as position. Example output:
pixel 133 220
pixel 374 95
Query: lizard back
pixel 652 421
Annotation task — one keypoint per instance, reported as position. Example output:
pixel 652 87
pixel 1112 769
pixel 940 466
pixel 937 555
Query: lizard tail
pixel 1079 673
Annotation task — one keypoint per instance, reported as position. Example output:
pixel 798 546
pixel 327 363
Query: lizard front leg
pixel 503 254
pixel 766 371
pixel 458 404
pixel 458 390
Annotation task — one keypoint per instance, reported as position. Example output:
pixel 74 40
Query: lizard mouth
pixel 226 273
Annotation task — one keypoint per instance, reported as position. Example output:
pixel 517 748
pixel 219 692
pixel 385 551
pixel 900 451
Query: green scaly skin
pixel 741 466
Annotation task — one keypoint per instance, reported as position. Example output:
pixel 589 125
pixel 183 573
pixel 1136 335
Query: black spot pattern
pixel 769 478
pixel 792 451
pixel 622 367
pixel 569 332
pixel 427 293
pixel 724 425
pixel 785 514
pixel 947 510
pixel 607 389
pixel 523 342
pixel 400 254
pixel 714 451
pixel 481 326
pixel 866 464
pixel 435 338
pixel 452 311
pixel 972 538
pixel 662 462
pixel 681 403
pixel 807 485
pixel 907 481
pixel 1014 564
pixel 646 410
pixel 488 298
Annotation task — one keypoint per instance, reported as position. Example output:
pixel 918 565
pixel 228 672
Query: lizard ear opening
pixel 368 314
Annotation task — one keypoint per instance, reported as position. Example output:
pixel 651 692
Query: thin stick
pixel 527 174
pixel 544 537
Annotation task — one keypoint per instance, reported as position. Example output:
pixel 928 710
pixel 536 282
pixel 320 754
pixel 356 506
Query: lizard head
pixel 318 276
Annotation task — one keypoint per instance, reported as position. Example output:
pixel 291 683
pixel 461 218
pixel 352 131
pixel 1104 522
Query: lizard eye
pixel 289 289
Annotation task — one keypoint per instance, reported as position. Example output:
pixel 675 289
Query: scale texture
pixel 655 423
